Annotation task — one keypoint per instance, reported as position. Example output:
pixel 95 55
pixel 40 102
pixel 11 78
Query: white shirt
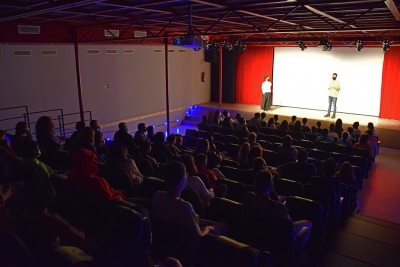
pixel 195 184
pixel 333 85
pixel 266 87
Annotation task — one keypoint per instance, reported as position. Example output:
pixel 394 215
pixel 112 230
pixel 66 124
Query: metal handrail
pixel 60 122
pixel 61 118
pixel 25 116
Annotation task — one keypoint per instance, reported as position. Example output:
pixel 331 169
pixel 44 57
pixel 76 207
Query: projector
pixel 188 42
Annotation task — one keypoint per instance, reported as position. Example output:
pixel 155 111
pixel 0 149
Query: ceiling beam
pixel 392 7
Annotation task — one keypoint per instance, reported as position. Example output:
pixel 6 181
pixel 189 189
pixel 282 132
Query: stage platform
pixel 388 131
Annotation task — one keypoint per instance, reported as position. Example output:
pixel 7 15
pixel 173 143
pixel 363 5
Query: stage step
pixel 189 123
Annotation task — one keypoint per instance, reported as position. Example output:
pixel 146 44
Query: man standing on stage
pixel 334 88
pixel 266 97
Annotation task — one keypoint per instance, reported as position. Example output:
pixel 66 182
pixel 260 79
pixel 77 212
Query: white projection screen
pixel 301 78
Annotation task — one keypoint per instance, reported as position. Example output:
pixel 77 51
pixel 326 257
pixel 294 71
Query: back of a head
pixel 241 120
pixel 297 125
pixel 150 129
pixel 43 126
pixel 350 130
pixel 200 159
pixel 121 126
pixel 225 113
pixel 94 124
pixel 369 132
pixel 304 120
pixel 345 135
pixel 313 129
pixel 144 146
pixel 331 127
pixel 141 126
pixel 20 128
pixel 356 124
pixel 86 134
pixel 346 170
pixel 363 140
pixel 271 121
pixel 263 115
pixel 203 145
pixel 302 155
pixel 80 125
pixel 276 117
pixel 370 125
pixel 257 115
pixel 287 141
pixel 227 122
pixel 159 137
pixel 238 115
pixel 339 124
pixel 117 153
pixel 173 173
pixel 204 118
pixel 255 152
pixel 171 138
pixel 214 160
pixel 188 160
pixel 30 149
pixel 259 164
pixel 324 132
pixel 329 167
pixel 284 125
pixel 263 182
pixel 319 123
pixel 294 118
pixel 252 137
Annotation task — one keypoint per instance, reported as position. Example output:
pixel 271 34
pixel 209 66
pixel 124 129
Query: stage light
pixel 227 46
pixel 359 45
pixel 301 45
pixel 385 45
pixel 326 45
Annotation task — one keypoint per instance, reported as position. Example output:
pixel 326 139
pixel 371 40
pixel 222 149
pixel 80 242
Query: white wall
pixel 137 81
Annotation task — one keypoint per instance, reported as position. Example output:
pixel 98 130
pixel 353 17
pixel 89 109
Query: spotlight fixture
pixel 326 45
pixel 301 45
pixel 211 45
pixel 227 46
pixel 385 45
pixel 359 45
pixel 239 46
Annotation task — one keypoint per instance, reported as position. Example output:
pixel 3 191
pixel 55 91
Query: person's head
pixel 21 128
pixel 94 124
pixel 242 121
pixel 369 132
pixel 123 127
pixel 227 122
pixel 304 120
pixel 287 141
pixel 31 150
pixel 329 167
pixel 150 130
pixel 203 146
pixel 331 127
pixel 271 121
pixel 87 134
pixel 214 161
pixel 117 153
pixel 145 147
pixel 276 117
pixel 345 135
pixel 142 127
pixel 266 78
pixel 294 118
pixel 188 160
pixel 302 156
pixel 356 124
pixel 44 125
pixel 175 175
pixel 370 126
pixel 255 152
pixel 80 125
pixel 319 124
pixel 201 160
pixel 259 164
pixel 244 152
pixel 313 129
pixel 334 76
pixel 363 140
pixel 257 115
pixel 324 132
pixel 284 125
pixel 297 125
pixel 346 171
pixel 179 140
pixel 226 113
pixel 159 137
pixel 171 139
pixel 204 118
pixel 264 183
pixel 99 139
pixel 350 130
pixel 263 115
pixel 217 114
pixel 338 124
pixel 252 137
pixel 238 115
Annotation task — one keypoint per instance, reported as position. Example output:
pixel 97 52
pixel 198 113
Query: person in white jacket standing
pixel 334 88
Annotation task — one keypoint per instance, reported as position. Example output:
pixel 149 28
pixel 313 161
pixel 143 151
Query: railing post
pixel 62 121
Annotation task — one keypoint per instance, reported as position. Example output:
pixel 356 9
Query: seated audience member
pixel 171 139
pixel 345 140
pixel 352 136
pixel 306 128
pixel 201 161
pixel 214 162
pixel 346 175
pixel 86 140
pixel 94 124
pixel 297 127
pixel 237 117
pixel 194 182
pixel 45 136
pixel 370 126
pixel 339 127
pixel 300 171
pixel 255 151
pixel 22 134
pixel 325 138
pixel 150 133
pixel 226 114
pixel 258 165
pixel 286 149
pixel 204 121
pixel 241 126
pixel 144 152
pixel 373 141
pixel 100 143
pixel 117 158
pixel 357 131
pixel 276 120
pixel 207 147
pixel 255 121
pixel 159 145
pixel 84 175
pixel 284 125
pixel 5 148
pixel 243 152
pixel 314 130
pixel 262 206
pixel 363 144
pixel 168 206
pixel 271 124
pixel 294 118
pixel 252 140
pixel 319 129
pixel 179 143
pixel 327 178
pixel 30 157
pixel 79 127
pixel 216 118
pixel 263 119
pixel 140 134
pixel 122 136
pixel 227 123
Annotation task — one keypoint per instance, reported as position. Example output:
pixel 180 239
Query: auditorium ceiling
pixel 272 23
